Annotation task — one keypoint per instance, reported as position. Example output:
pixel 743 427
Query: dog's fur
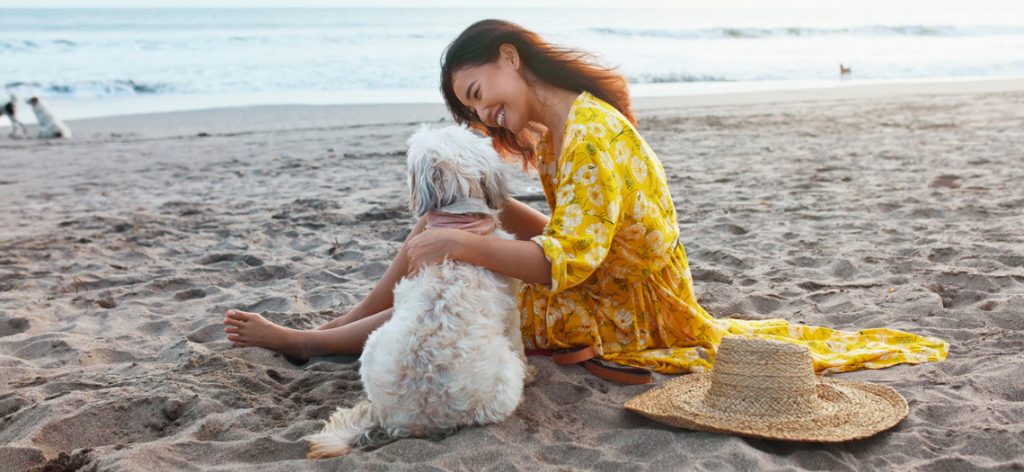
pixel 49 125
pixel 11 111
pixel 451 355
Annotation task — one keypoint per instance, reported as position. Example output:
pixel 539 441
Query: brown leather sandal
pixel 618 373
pixel 572 356
pixel 606 370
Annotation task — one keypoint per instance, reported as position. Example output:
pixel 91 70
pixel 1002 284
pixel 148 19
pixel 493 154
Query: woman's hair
pixel 569 69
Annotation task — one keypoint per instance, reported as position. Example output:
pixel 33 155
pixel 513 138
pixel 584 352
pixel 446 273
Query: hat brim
pixel 853 410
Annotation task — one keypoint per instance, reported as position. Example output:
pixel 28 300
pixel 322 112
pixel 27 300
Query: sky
pixel 1008 5
pixel 312 3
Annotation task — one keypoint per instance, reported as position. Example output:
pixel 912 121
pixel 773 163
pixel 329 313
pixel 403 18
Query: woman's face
pixel 497 91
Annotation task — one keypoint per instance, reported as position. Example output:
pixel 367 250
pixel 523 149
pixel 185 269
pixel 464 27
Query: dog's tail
pixel 345 427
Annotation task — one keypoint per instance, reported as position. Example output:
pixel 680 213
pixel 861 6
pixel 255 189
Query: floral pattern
pixel 620 281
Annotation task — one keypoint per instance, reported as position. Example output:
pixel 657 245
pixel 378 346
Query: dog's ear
pixel 494 184
pixel 421 187
pixel 431 185
pixel 422 192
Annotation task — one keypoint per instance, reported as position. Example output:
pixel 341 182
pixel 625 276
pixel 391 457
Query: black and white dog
pixel 49 125
pixel 11 111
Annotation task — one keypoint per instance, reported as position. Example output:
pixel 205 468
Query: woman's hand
pixel 433 246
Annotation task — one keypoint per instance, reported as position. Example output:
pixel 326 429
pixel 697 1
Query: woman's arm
pixel 523 260
pixel 522 220
pixel 519 258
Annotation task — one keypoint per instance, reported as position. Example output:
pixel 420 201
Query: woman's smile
pixel 500 116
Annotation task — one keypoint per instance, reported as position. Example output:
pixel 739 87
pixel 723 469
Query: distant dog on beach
pixel 845 72
pixel 49 125
pixel 451 355
pixel 11 111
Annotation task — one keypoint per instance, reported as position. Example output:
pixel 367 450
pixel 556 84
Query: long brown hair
pixel 570 69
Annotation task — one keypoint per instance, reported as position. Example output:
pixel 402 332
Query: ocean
pixel 105 61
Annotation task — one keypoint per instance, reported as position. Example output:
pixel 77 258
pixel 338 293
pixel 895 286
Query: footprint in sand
pixel 764 305
pixel 155 328
pixel 121 421
pixel 249 260
pixel 45 347
pixel 988 305
pixel 710 275
pixel 398 234
pixel 322 298
pixel 732 229
pixel 14 404
pixel 953 296
pixel 11 325
pixel 374 270
pixel 278 304
pixel 190 294
pixel 265 273
pixel 348 255
pixel 30 458
pixel 208 333
pixel 181 208
pixel 832 302
pixel 721 258
pixel 945 181
pixel 574 455
pixel 842 269
pixel 168 284
pixel 382 214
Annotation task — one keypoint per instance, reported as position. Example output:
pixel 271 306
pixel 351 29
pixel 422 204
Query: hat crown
pixel 763 377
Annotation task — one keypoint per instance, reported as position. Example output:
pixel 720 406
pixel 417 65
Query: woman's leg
pixel 251 329
pixel 343 335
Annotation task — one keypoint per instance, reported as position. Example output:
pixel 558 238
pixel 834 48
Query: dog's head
pixel 451 165
pixel 33 101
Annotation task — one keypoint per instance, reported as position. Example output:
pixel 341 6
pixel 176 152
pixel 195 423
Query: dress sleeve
pixel 587 203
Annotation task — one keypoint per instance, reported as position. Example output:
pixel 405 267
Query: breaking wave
pixel 28 45
pixel 85 89
pixel 674 77
pixel 870 30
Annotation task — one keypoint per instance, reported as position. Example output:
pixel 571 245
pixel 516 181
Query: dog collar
pixel 467 205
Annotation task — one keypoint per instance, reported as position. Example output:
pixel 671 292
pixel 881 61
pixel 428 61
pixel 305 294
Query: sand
pixel 120 250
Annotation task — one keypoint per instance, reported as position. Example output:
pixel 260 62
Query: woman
pixel 607 270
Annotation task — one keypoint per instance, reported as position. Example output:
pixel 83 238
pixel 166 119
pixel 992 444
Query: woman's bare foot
pixel 251 329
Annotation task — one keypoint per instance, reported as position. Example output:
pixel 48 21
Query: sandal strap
pixel 606 370
pixel 565 356
pixel 573 356
pixel 618 373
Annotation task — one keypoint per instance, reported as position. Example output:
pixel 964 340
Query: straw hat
pixel 768 389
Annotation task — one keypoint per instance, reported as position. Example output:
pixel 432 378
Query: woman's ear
pixel 510 54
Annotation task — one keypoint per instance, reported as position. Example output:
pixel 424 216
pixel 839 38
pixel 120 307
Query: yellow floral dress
pixel 619 277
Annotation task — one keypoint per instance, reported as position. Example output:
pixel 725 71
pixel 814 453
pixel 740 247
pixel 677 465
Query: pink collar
pixel 473 222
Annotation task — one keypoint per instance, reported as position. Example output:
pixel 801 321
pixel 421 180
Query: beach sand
pixel 120 250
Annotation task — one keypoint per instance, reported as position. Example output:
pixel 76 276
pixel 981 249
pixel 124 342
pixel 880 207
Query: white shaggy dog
pixel 451 355
pixel 49 125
